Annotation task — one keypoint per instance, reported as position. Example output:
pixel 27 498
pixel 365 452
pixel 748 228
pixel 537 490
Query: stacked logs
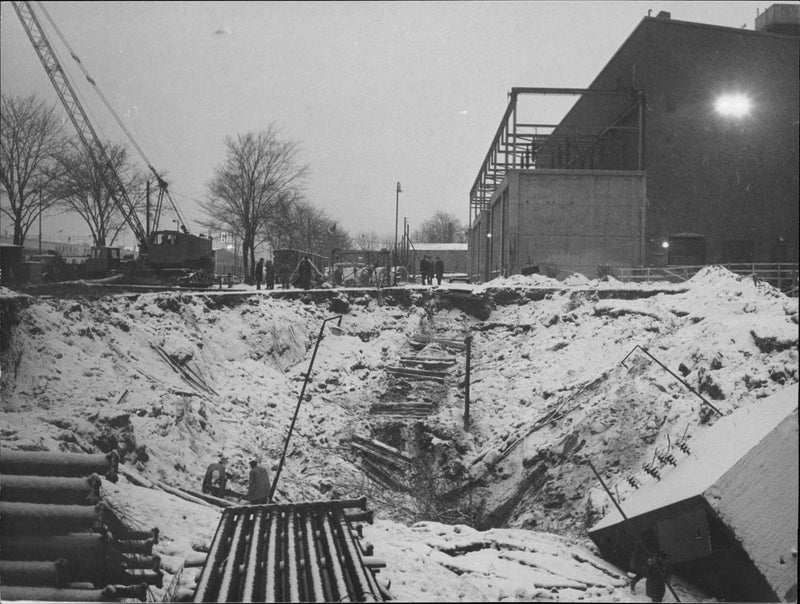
pixel 381 462
pixel 59 541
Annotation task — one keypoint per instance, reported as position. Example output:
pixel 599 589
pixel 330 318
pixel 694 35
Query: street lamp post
pixel 396 216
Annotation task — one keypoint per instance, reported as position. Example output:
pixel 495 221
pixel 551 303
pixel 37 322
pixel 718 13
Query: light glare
pixel 733 105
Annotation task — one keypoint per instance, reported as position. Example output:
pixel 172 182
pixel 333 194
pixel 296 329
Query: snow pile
pixel 176 380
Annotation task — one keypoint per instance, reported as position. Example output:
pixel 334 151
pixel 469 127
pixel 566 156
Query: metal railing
pixel 780 274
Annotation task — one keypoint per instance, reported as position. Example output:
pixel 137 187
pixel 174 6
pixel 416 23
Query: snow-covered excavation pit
pixel 174 381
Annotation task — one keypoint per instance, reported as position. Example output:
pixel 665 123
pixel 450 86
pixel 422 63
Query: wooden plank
pixel 377 455
pixel 421 372
pixel 460 345
pixel 422 359
pixel 383 446
pixel 411 376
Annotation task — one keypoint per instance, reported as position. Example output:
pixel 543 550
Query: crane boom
pixel 79 119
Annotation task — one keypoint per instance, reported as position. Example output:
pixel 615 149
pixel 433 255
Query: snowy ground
pixel 176 380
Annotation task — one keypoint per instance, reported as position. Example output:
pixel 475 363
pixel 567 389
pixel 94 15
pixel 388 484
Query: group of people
pixel 265 271
pixel 429 268
pixel 258 483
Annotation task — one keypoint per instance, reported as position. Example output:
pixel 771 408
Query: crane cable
pixel 161 182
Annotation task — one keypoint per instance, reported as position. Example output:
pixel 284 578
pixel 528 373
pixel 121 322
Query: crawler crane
pixel 165 253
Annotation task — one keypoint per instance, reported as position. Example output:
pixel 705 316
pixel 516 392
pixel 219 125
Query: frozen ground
pixel 175 380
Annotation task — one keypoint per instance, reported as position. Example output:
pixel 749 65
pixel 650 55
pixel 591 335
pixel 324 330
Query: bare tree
pixel 372 241
pixel 82 188
pixel 258 176
pixel 441 228
pixel 31 136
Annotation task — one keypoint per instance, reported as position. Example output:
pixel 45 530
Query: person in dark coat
pixel 423 269
pixel 658 573
pixel 215 480
pixel 303 280
pixel 258 485
pixel 259 272
pixel 652 564
pixel 269 275
pixel 285 275
pixel 438 269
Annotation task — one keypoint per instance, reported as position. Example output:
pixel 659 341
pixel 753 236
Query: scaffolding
pixel 525 146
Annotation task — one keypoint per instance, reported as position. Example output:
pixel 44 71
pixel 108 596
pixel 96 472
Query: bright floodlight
pixel 733 105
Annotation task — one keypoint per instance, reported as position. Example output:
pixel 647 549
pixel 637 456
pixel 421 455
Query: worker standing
pixel 259 272
pixel 303 279
pixel 438 269
pixel 423 269
pixel 269 275
pixel 258 484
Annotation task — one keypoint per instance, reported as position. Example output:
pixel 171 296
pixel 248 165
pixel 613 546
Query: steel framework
pixel 517 145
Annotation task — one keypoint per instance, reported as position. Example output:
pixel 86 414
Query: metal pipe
pixel 396 215
pixel 34 573
pixel 54 594
pixel 83 547
pixel 301 556
pixel 42 518
pixel 299 402
pixel 50 489
pixel 47 463
pixel 210 569
pixel 231 563
pixel 334 561
pixel 314 554
pixel 673 374
pixel 359 572
pixel 468 343
pixel 253 559
pixel 271 559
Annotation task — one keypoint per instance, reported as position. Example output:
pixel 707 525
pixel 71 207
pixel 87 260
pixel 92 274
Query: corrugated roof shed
pixel 301 552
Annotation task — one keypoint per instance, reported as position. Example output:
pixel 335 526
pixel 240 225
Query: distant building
pixel 682 151
pixel 72 253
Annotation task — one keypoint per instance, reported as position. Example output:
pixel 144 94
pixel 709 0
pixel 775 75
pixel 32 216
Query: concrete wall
pixel 562 221
pixel 767 530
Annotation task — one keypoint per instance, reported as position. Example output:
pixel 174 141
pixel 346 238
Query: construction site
pixel 460 442
pixel 518 431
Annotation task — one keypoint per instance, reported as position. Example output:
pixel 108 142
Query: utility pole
pixel 40 220
pixel 396 217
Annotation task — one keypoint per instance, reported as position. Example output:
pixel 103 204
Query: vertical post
pixel 396 217
pixel 40 220
pixel 468 342
pixel 404 245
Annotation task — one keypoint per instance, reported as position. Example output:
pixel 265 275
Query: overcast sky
pixel 374 93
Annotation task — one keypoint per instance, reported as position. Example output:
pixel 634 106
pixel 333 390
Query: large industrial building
pixel 683 151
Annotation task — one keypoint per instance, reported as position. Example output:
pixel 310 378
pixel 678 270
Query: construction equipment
pixel 163 251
